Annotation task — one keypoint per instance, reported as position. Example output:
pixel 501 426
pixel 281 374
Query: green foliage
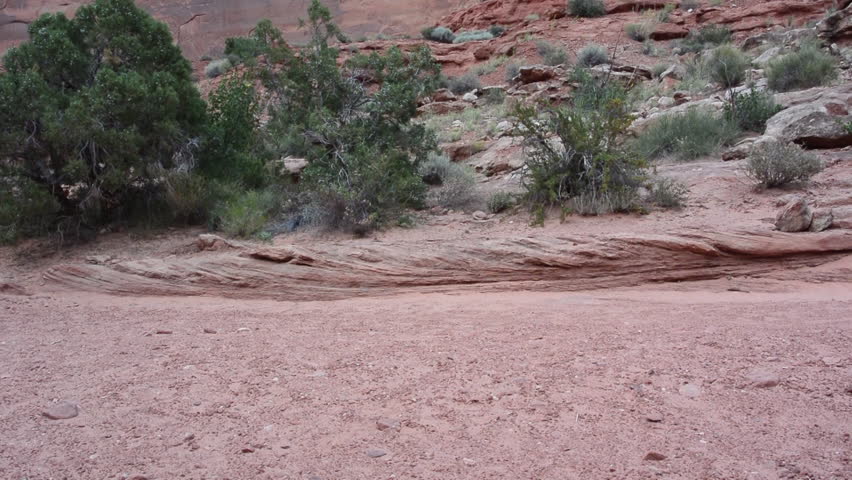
pixel 500 202
pixel 265 39
pixel 575 156
pixel 809 67
pixel 453 183
pixel 591 55
pixel 188 196
pixel 687 136
pixel 639 31
pixel 533 17
pixel 551 54
pixel 649 48
pixel 587 8
pixel 668 193
pixel 217 68
pixel 94 108
pixel 473 36
pixel 229 150
pixel 727 66
pixel 663 14
pixel 245 213
pixel 362 146
pixel 751 110
pixel 497 30
pixel 26 209
pixel 776 163
pixel 706 37
pixel 463 84
pixel 488 67
pixel 658 69
pixel 438 34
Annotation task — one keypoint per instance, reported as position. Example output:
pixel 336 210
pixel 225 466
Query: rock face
pixel 761 15
pixel 837 26
pixel 815 118
pixel 201 26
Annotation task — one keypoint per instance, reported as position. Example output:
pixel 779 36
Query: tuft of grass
pixel 490 66
pixel 463 84
pixel 551 54
pixel 500 202
pixel 809 67
pixel 591 55
pixel 217 68
pixel 658 69
pixel 497 30
pixel 751 110
pixel 707 37
pixel 473 36
pixel 727 66
pixel 453 183
pixel 587 8
pixel 639 31
pixel 687 136
pixel 533 17
pixel 512 71
pixel 668 193
pixel 438 34
pixel 775 164
pixel 245 214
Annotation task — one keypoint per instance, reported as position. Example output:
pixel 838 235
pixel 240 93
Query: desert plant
pixel 464 83
pixel 650 48
pixel 573 153
pixel 658 69
pixel 551 54
pixel 473 36
pixel 500 202
pixel 727 66
pixel 591 55
pixel 687 136
pixel 587 8
pixel 663 14
pixel 706 37
pixel 533 17
pixel 497 30
pixel 101 102
pixel 264 39
pixel 697 75
pixel 512 71
pixel 438 34
pixel 453 183
pixel 26 209
pixel 639 31
pixel 776 163
pixel 217 68
pixel 667 193
pixel 809 67
pixel 489 67
pixel 751 110
pixel 245 214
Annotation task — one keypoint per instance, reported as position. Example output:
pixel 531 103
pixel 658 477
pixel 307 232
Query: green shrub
pixel 217 68
pixel 663 14
pixel 706 37
pixel 188 196
pixel 533 17
pixel 658 69
pixel 438 34
pixel 105 123
pixel 453 183
pixel 463 84
pixel 687 136
pixel 500 202
pixel 668 193
pixel 473 36
pixel 776 163
pixel 587 8
pixel 697 76
pixel 245 214
pixel 573 157
pixel 751 110
pixel 639 31
pixel 497 30
pixel 591 55
pixel 26 209
pixel 550 54
pixel 809 67
pixel 265 39
pixel 727 66
pixel 488 67
pixel 649 48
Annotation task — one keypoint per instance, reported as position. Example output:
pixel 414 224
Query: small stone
pixel 469 97
pixel 480 215
pixel 654 417
pixel 387 424
pixel 469 462
pixel 822 220
pixel 210 331
pixel 655 457
pixel 376 453
pixel 832 361
pixel 247 450
pixel 164 332
pixel 763 378
pixel 690 390
pixel 243 330
pixel 61 411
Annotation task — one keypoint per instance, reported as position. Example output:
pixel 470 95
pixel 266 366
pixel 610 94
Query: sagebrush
pixel 777 163
pixel 687 136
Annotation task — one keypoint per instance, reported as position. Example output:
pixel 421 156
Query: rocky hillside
pixel 200 26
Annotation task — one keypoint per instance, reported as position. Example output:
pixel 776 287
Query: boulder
pixel 443 95
pixel 796 216
pixel 483 52
pixel 668 31
pixel 837 26
pixel 537 73
pixel 822 220
pixel 470 97
pixel 461 151
pixel 842 217
pixel 787 38
pixel 764 58
pixel 626 6
pixel 504 155
pixel 763 14
pixel 815 118
pixel 676 71
pixel 294 165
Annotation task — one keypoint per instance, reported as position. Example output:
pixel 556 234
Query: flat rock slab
pixel 61 411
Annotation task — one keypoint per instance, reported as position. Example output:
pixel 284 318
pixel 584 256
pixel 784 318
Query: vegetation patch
pixel 807 68
pixel 687 136
pixel 587 8
pixel 776 163
pixel 751 110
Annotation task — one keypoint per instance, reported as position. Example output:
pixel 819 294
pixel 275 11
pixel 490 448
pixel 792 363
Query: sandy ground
pixel 520 385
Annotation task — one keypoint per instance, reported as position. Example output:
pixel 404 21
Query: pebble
pixel 480 215
pixel 763 378
pixel 164 332
pixel 376 453
pixel 210 331
pixel 469 462
pixel 654 417
pixel 654 456
pixel 832 361
pixel 61 411
pixel 387 424
pixel 243 330
pixel 690 390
